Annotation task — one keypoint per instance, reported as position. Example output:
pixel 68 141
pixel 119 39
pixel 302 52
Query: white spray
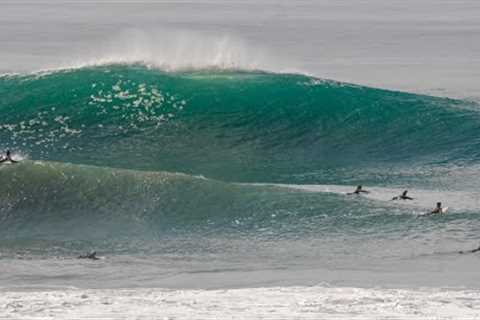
pixel 177 50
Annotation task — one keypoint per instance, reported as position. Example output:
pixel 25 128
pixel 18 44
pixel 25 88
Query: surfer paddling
pixel 403 196
pixel 92 256
pixel 438 210
pixel 359 190
pixel 470 251
pixel 7 157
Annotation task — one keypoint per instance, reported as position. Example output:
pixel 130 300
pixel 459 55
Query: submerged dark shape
pixel 403 196
pixel 92 256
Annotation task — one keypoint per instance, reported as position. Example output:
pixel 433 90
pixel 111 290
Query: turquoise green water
pixel 234 126
pixel 128 160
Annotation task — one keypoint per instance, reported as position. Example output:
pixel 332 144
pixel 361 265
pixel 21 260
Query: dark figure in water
pixel 8 157
pixel 359 190
pixel 92 256
pixel 470 251
pixel 438 209
pixel 403 196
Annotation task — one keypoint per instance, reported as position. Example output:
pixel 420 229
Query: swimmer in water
pixel 403 196
pixel 359 190
pixel 8 157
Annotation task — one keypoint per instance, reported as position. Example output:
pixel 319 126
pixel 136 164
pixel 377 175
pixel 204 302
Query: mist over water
pixel 176 50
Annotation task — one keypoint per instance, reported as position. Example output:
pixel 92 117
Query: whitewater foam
pixel 253 303
pixel 424 200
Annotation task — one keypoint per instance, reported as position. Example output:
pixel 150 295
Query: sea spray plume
pixel 174 50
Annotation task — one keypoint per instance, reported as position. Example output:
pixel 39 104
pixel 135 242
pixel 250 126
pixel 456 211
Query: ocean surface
pixel 205 150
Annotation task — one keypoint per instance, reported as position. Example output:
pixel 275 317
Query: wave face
pixel 56 201
pixel 54 207
pixel 229 125
pixel 107 141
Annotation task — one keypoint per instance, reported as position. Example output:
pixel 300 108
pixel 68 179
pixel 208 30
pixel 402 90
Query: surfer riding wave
pixel 7 157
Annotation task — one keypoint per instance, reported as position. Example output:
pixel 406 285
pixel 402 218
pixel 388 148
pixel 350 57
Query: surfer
pixel 8 157
pixel 359 190
pixel 403 196
pixel 438 209
pixel 92 256
pixel 470 251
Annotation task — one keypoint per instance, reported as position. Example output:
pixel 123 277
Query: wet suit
pixel 470 251
pixel 403 196
pixel 91 256
pixel 7 158
pixel 437 210
pixel 358 191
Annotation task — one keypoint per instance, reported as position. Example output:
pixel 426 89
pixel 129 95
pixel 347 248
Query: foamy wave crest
pixel 176 51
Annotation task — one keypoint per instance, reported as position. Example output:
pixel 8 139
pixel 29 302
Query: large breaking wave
pixel 230 125
pixel 107 143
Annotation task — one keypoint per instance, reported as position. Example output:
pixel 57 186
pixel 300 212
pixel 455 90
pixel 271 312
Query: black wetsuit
pixel 358 191
pixel 7 158
pixel 402 197
pixel 91 256
pixel 470 251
